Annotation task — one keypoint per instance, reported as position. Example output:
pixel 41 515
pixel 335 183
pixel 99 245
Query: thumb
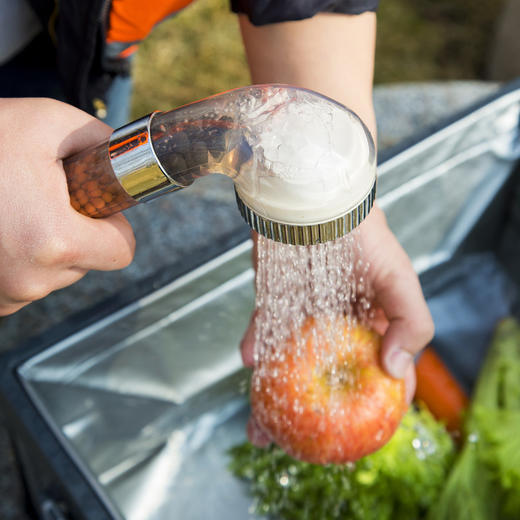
pixel 410 325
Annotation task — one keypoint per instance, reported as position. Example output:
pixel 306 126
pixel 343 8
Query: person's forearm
pixel 330 53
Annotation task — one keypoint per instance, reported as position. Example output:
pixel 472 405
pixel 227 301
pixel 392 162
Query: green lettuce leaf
pixel 485 480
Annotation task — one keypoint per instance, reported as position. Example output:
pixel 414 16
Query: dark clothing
pixel 78 30
pixel 261 12
pixel 87 65
pixel 32 72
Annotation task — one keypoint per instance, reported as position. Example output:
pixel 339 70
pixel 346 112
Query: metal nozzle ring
pixel 311 234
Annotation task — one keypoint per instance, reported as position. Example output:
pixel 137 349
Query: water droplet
pixel 351 466
pixel 473 437
pixel 284 479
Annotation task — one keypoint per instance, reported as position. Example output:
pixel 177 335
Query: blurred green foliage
pixel 199 52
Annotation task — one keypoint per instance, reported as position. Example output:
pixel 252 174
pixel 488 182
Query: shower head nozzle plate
pixel 308 234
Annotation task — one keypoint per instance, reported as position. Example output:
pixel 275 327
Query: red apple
pixel 323 396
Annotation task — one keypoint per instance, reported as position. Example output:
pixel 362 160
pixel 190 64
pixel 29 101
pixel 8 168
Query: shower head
pixel 303 165
pixel 314 177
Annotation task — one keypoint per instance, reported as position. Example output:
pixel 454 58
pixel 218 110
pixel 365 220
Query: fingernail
pixel 398 362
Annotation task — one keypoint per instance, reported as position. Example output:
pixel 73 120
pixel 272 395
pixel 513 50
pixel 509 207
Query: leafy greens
pixel 485 480
pixel 401 480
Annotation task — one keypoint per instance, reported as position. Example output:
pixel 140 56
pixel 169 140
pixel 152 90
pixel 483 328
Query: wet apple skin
pixel 322 418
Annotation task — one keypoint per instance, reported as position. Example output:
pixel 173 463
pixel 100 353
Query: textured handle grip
pixel 93 187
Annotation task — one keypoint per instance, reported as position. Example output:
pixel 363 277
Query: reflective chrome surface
pixel 135 164
pixel 148 400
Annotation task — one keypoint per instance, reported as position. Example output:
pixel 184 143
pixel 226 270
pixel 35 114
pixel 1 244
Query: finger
pixel 247 345
pixel 37 284
pixel 379 322
pixel 102 244
pixel 410 382
pixel 410 323
pixel 67 277
pixel 10 308
pixel 80 129
pixel 256 435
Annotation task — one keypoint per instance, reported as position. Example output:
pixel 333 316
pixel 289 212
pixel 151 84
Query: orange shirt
pixel 132 20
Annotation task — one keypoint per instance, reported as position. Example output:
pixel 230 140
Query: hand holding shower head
pixel 303 165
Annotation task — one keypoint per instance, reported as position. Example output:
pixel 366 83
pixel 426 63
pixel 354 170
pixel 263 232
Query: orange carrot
pixel 439 390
